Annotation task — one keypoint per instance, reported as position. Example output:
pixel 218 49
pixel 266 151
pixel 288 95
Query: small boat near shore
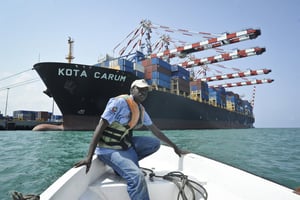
pixel 169 177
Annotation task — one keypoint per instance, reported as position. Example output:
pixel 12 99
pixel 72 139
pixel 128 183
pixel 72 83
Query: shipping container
pixel 139 74
pixel 159 83
pixel 42 116
pixel 230 106
pixel 179 85
pixel 121 64
pixel 138 67
pixel 57 118
pixel 248 109
pixel 212 101
pixel 161 63
pixel 150 68
pixel 124 62
pixel 24 115
pixel 219 95
pixel 161 76
pixel 180 72
pixel 201 87
pixel 198 85
pixel 146 62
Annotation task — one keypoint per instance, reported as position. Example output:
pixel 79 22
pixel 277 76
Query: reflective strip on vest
pixel 134 109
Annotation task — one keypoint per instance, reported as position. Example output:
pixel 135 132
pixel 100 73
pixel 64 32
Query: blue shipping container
pixel 139 74
pixel 160 83
pixel 161 63
pixel 161 76
pixel 124 62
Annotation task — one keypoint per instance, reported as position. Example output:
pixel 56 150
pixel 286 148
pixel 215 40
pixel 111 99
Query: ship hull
pixel 82 91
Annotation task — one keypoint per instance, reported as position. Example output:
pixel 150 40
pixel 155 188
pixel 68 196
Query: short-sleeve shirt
pixel 117 110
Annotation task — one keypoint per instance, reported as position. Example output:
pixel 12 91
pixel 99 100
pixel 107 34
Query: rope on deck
pixel 183 183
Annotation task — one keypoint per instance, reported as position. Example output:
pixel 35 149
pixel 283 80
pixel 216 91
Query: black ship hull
pixel 82 91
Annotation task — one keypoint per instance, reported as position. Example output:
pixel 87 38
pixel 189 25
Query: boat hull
pixel 220 181
pixel 82 91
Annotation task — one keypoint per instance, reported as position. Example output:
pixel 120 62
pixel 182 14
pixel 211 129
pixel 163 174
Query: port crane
pixel 244 83
pixel 236 75
pixel 225 39
pixel 224 57
pixel 210 41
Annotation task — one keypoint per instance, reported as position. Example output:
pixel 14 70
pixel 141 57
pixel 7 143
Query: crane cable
pixel 2 79
pixel 18 83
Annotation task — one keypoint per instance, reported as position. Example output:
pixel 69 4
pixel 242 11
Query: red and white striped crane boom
pixel 245 83
pixel 224 57
pixel 236 75
pixel 225 39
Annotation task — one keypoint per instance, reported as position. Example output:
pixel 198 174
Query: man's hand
pixel 86 162
pixel 180 152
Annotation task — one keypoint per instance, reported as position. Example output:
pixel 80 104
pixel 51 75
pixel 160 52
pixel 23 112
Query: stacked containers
pixel 138 70
pixel 157 72
pixel 118 64
pixel 125 65
pixel 42 116
pixel 212 96
pixel 180 79
pixel 121 64
pixel 231 101
pixel 239 105
pixel 217 96
pixel 248 109
pixel 222 93
pixel 199 89
pixel 235 103
pixel 24 115
pixel 57 118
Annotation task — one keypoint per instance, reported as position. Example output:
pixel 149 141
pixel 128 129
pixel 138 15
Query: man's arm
pixel 157 132
pixel 97 135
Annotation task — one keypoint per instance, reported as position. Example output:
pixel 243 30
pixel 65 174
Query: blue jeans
pixel 125 163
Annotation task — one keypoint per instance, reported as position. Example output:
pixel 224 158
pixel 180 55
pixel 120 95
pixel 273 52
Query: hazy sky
pixel 35 30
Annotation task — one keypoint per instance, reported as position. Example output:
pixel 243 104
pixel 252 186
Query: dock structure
pixel 14 124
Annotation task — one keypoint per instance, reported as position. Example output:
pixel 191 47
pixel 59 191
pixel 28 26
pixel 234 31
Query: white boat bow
pixel 219 180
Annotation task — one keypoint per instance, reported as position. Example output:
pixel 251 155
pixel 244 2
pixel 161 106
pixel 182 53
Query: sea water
pixel 31 161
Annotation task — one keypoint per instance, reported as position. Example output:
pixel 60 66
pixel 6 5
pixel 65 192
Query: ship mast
pixel 70 56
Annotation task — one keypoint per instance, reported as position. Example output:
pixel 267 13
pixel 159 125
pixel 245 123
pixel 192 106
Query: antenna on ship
pixel 70 56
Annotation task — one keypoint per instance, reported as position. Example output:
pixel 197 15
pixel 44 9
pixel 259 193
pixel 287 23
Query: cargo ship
pixel 176 101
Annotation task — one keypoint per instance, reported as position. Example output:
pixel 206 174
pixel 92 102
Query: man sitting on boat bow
pixel 115 145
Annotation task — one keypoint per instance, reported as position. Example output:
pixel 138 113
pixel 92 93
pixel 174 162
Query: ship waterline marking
pixel 97 75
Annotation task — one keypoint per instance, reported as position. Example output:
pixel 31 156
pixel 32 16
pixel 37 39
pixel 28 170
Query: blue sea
pixel 31 161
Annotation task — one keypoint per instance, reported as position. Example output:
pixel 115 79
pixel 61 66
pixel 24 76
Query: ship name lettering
pixel 112 77
pixel 71 72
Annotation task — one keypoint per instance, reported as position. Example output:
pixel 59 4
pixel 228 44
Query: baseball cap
pixel 140 83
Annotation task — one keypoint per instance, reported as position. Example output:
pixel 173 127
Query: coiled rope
pixel 183 183
pixel 19 196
